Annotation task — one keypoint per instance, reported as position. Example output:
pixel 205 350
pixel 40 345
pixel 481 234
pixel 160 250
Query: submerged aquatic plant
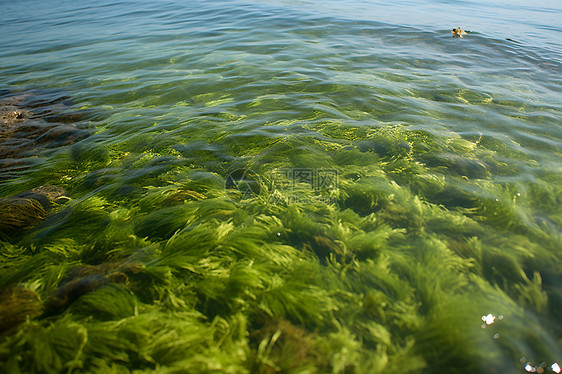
pixel 154 267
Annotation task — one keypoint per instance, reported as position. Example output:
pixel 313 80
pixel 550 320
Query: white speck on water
pixel 489 319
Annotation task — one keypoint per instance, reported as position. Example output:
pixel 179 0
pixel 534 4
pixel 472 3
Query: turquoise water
pixel 403 184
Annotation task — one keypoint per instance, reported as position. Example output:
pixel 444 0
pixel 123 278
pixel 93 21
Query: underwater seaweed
pixel 430 251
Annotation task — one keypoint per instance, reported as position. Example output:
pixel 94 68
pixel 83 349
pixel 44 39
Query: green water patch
pixel 365 249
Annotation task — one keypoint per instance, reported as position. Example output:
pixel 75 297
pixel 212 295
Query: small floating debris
pixel 458 33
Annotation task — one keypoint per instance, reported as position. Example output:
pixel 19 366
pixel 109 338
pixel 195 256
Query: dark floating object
pixel 458 33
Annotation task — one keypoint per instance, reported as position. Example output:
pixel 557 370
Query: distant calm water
pixel 217 85
pixel 131 54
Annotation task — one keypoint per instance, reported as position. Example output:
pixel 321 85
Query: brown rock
pixel 16 305
pixel 27 209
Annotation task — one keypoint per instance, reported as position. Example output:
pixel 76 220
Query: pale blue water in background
pixel 116 52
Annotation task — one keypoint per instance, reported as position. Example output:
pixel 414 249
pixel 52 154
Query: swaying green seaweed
pixel 151 266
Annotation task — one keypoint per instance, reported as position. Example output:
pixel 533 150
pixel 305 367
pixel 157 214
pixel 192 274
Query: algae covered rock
pixel 28 208
pixel 32 122
pixel 85 279
pixel 16 305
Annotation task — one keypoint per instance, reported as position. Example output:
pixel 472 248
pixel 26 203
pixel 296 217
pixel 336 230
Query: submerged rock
pixel 84 279
pixel 70 291
pixel 30 123
pixel 28 208
pixel 16 305
pixel 20 213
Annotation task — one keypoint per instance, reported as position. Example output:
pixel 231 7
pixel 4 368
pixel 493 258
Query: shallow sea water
pixel 283 186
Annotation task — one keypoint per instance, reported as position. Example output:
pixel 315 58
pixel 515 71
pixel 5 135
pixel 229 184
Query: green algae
pixel 389 268
pixel 394 274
